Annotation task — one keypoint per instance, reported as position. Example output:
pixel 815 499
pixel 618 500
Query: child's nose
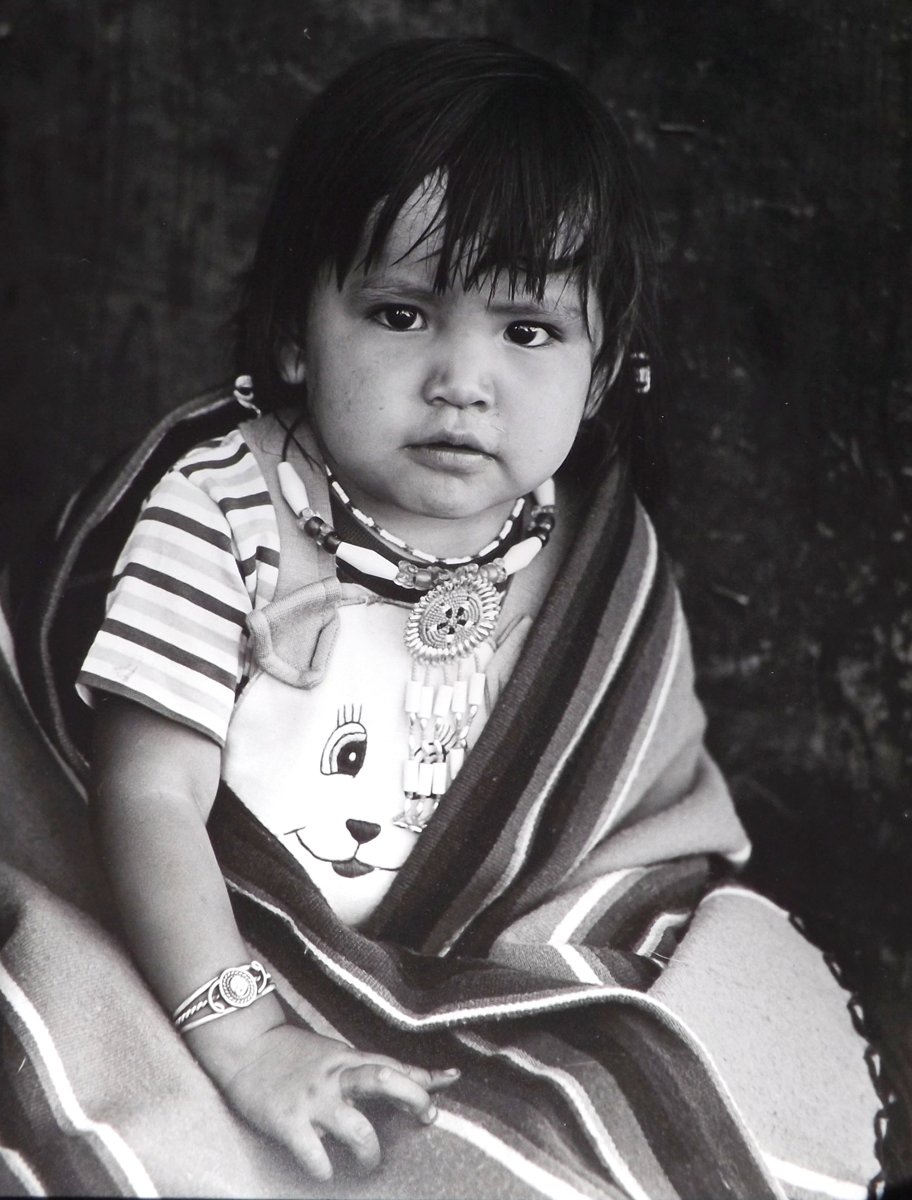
pixel 460 376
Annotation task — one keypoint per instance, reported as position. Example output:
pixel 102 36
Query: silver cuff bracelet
pixel 236 987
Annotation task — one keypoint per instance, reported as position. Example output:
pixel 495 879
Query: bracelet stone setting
pixel 232 989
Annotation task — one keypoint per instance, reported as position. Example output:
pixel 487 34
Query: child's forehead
pixel 410 254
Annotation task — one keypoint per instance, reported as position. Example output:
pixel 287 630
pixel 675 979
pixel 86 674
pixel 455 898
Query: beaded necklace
pixel 397 544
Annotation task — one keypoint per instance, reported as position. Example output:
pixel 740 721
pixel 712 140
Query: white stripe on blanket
pixel 656 931
pixel 629 773
pixel 578 1099
pixel 543 1181
pixel 813 1181
pixel 123 1155
pixel 578 964
pixel 23 1172
pixel 572 920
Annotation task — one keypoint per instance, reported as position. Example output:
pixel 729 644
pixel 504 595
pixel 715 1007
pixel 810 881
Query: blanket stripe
pixel 803 1183
pixel 16 1176
pixel 546 1176
pixel 96 1154
pixel 537 813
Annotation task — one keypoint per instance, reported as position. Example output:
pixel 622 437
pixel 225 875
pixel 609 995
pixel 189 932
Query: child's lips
pixel 462 453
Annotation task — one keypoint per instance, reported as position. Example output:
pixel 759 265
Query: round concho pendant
pixel 453 619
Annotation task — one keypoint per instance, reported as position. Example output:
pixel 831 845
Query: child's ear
pixel 292 366
pixel 603 376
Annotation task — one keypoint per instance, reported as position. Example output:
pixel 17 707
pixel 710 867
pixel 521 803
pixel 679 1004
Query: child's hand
pixel 296 1086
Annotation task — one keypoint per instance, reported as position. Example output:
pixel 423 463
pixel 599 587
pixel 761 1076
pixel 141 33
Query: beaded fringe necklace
pixel 447 632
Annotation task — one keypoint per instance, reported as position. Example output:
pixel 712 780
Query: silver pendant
pixel 453 618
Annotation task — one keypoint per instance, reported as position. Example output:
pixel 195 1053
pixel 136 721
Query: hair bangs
pixel 521 195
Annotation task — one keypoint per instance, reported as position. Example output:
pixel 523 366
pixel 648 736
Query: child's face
pixel 438 410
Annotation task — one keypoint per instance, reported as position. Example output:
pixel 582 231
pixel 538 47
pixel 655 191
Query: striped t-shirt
pixel 203 553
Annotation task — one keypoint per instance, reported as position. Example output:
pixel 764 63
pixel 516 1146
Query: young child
pixel 400 662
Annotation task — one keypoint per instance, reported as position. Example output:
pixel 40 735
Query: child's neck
pixel 443 537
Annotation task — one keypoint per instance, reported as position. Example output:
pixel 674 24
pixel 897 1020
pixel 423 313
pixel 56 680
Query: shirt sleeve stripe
pixel 264 557
pixel 204 552
pixel 232 504
pixel 196 565
pixel 177 587
pixel 236 455
pixel 154 613
pixel 165 516
pixel 115 663
pixel 139 637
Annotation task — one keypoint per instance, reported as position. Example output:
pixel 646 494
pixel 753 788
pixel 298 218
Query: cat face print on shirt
pixel 321 767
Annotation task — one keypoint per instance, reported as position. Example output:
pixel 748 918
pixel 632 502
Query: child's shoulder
pixel 224 469
pixel 218 487
pixel 225 457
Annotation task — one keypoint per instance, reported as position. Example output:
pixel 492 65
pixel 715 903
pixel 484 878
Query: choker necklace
pixel 397 544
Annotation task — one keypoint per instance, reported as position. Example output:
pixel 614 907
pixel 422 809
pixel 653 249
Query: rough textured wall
pixel 775 136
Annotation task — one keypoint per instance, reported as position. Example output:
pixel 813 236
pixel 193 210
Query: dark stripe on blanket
pixel 593 1099
pixel 574 808
pixel 668 887
pixel 67 1161
pixel 679 1108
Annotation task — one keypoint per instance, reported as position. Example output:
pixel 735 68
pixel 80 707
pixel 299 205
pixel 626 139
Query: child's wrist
pixel 220 1046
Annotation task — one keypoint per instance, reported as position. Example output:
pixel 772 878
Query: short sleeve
pixel 174 634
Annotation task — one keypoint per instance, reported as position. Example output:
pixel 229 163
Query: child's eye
pixel 401 318
pixel 524 333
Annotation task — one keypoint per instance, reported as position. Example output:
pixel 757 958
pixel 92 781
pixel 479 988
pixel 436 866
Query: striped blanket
pixel 629 1022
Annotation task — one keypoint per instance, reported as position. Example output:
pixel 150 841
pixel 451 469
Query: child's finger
pixel 304 1142
pixel 431 1081
pixel 352 1129
pixel 434 1081
pixel 376 1081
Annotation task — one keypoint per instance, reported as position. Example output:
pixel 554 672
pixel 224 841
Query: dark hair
pixel 536 174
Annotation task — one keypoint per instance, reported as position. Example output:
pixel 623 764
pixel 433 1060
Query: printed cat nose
pixel 362 831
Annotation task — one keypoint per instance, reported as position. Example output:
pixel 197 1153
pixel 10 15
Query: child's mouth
pixel 446 454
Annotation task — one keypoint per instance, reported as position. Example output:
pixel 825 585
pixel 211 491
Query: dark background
pixel 138 141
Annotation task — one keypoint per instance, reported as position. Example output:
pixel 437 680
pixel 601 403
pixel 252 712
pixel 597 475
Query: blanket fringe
pixel 889 1101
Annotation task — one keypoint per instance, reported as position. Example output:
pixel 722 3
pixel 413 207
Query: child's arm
pixel 154 784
